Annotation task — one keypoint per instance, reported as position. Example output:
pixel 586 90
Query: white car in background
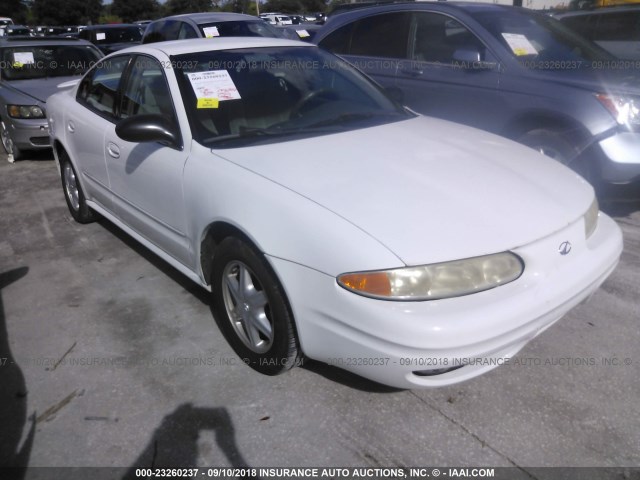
pixel 326 220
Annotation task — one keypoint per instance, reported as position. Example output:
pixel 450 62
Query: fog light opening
pixel 435 371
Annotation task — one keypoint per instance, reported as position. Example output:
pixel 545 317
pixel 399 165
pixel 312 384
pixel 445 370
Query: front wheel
pixel 73 193
pixel 251 308
pixel 13 152
pixel 550 144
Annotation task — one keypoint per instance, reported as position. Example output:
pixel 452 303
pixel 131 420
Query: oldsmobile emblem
pixel 564 248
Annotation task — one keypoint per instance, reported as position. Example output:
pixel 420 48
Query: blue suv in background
pixel 508 70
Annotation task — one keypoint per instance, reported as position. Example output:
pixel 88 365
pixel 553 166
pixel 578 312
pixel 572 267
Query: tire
pixel 251 308
pixel 556 147
pixel 73 193
pixel 13 152
pixel 550 144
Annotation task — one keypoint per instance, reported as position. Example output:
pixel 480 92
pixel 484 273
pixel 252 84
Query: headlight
pixel 25 111
pixel 591 218
pixel 625 109
pixel 438 280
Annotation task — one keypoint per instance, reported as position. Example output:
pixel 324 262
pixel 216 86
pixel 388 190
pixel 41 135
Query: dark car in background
pixel 208 25
pixel 111 38
pixel 32 69
pixel 508 70
pixel 14 31
pixel 616 29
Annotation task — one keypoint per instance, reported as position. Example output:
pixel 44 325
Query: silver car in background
pixel 31 70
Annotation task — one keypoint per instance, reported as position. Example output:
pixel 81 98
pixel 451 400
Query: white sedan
pixel 327 221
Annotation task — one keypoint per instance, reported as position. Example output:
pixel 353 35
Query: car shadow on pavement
pixel 346 378
pixel 179 278
pixel 175 443
pixel 13 395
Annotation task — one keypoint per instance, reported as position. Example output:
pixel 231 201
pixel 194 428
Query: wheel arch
pixel 214 233
pixel 568 127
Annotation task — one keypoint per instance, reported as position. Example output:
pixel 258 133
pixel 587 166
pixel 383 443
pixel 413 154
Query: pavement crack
pixel 60 360
pixel 473 435
pixel 51 411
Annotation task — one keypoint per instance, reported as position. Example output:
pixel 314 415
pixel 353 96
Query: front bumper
pixel 32 134
pixel 620 158
pixel 389 342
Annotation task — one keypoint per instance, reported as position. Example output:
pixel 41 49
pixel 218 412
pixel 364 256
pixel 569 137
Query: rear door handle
pixel 113 150
pixel 71 127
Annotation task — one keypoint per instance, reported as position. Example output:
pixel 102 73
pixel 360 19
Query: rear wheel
pixel 251 308
pixel 73 193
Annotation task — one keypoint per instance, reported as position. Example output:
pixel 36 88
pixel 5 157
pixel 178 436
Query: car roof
pixel 208 17
pixel 19 41
pixel 111 26
pixel 179 47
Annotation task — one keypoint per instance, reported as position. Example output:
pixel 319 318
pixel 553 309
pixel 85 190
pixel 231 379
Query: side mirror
pixel 148 128
pixel 469 58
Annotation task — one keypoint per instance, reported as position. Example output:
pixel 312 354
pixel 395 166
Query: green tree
pixel 174 7
pixel 284 6
pixel 130 11
pixel 16 9
pixel 67 12
pixel 309 6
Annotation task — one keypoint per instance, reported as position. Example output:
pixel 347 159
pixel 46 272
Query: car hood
pixel 40 88
pixel 427 189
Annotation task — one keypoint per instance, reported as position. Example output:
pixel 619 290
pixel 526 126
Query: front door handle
pixel 113 150
pixel 412 72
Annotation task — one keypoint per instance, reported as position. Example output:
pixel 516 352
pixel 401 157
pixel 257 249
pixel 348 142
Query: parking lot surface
pixel 109 357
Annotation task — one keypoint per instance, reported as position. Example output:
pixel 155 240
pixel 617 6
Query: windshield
pixel 119 35
pixel 264 94
pixel 539 41
pixel 242 28
pixel 22 63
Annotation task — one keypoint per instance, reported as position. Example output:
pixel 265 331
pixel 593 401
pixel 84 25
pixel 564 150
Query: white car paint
pixel 412 192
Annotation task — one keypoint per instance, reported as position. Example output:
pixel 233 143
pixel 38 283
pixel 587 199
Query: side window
pixel 146 90
pixel 622 26
pixel 99 88
pixel 154 32
pixel 339 42
pixel 582 24
pixel 381 36
pixel 436 37
pixel 186 31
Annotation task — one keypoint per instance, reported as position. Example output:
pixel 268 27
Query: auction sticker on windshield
pixel 519 44
pixel 213 87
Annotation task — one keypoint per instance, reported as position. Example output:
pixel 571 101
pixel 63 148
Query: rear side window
pixel 98 90
pixel 162 31
pixel 383 35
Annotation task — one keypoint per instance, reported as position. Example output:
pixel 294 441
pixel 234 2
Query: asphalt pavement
pixel 111 358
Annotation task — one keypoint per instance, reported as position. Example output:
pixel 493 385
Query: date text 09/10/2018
pixel 295 473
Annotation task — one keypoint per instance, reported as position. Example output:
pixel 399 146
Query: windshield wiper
pixel 344 118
